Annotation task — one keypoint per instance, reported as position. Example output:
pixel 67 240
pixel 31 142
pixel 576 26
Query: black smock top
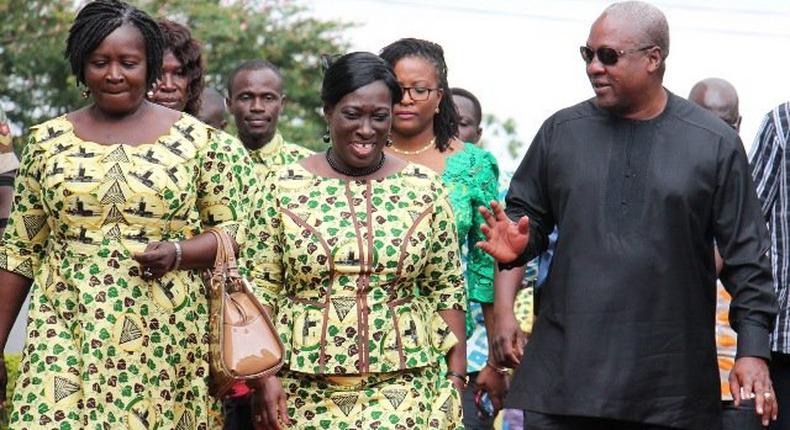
pixel 625 328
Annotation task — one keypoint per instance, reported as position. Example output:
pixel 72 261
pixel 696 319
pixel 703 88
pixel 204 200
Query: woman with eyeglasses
pixel 357 249
pixel 424 131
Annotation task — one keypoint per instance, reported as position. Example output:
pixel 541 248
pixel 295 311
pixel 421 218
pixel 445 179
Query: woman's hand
pixel 269 405
pixel 507 340
pixel 495 384
pixel 459 384
pixel 505 239
pixel 157 259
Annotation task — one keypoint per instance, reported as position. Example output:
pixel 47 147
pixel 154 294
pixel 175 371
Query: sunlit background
pixel 520 57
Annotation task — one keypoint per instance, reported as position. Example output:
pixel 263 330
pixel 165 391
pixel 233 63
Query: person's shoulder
pixel 296 151
pixel 693 116
pixel 580 111
pixel 481 161
pixel 421 179
pixel 55 131
pixel 779 117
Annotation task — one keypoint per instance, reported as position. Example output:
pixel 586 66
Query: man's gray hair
pixel 647 19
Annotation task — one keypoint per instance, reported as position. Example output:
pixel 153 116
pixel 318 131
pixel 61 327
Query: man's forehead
pixel 613 31
pixel 262 78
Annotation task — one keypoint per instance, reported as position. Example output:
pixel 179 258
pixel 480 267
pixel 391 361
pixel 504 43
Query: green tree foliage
pixel 35 81
pixel 499 132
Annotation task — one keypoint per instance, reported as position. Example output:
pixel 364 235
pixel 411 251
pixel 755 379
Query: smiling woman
pixel 105 235
pixel 362 260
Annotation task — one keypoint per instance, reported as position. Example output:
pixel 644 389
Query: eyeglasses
pixel 418 94
pixel 607 56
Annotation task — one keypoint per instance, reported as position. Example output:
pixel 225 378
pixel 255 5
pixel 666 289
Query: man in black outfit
pixel 640 183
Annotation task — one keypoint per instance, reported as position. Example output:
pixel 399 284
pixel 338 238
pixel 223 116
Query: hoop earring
pixel 327 138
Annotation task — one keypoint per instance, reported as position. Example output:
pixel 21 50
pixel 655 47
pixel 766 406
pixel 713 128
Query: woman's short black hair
pixel 100 18
pixel 353 71
pixel 179 41
pixel 445 123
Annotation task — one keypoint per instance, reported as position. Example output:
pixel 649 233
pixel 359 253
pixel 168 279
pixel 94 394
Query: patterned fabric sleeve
pixel 25 237
pixel 263 254
pixel 442 279
pixel 480 266
pixel 226 185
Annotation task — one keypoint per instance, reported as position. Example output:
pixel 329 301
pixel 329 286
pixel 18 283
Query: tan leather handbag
pixel 244 342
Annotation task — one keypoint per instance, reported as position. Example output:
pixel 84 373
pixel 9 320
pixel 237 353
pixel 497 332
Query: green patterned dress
pixel 106 349
pixel 360 270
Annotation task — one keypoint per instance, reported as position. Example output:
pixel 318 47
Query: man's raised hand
pixel 505 239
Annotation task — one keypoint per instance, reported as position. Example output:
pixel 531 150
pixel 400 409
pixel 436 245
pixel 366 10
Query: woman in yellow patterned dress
pixel 105 234
pixel 360 252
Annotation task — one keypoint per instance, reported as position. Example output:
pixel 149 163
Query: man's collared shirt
pixel 277 153
pixel 625 328
pixel 769 160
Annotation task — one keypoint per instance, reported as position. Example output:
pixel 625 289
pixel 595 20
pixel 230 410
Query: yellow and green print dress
pixel 106 349
pixel 360 270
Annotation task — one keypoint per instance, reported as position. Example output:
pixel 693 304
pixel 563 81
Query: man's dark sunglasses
pixel 607 56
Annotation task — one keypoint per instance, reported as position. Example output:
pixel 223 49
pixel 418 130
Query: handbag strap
pixel 225 260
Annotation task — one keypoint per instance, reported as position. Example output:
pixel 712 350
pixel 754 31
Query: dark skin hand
pixel 196 253
pixel 489 380
pixel 506 340
pixel 749 379
pixel 270 406
pixel 505 239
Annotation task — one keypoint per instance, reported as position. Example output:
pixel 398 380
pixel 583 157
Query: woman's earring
pixel 86 93
pixel 389 141
pixel 150 93
pixel 437 109
pixel 326 137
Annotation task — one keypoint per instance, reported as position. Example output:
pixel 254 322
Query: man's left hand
pixel 749 379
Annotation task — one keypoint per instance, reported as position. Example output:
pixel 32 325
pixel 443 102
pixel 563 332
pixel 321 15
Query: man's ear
pixel 655 56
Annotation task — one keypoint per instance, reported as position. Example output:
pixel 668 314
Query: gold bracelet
pixel 501 370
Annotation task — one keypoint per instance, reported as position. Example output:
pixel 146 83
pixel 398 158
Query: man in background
pixel 212 109
pixel 470 115
pixel 256 99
